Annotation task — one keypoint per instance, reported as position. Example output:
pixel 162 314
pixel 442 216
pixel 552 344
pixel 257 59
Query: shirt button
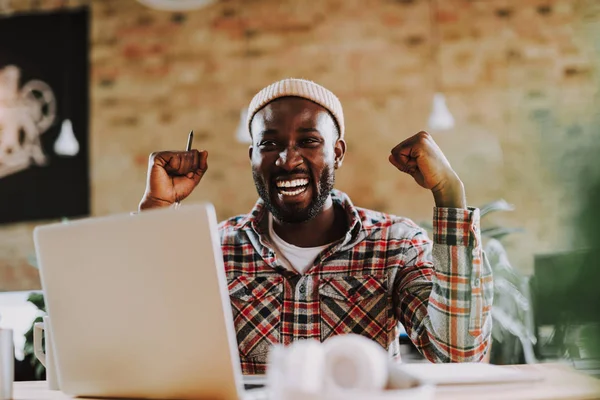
pixel 302 289
pixel 476 282
pixel 475 253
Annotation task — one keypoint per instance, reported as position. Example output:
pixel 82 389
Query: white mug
pixel 7 364
pixel 47 359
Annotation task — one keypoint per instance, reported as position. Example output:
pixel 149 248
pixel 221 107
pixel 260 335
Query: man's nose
pixel 289 158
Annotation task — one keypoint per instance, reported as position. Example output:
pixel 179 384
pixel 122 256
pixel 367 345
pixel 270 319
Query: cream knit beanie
pixel 298 88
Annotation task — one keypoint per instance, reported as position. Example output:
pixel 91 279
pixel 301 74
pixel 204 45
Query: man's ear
pixel 250 152
pixel 340 152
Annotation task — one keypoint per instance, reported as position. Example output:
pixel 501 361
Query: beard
pixel 292 214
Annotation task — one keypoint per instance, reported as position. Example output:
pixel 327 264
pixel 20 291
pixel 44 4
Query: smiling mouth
pixel 292 187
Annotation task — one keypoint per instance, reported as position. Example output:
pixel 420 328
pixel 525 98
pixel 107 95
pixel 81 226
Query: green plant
pixel 37 299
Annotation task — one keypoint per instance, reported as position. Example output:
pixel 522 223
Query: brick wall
pixel 519 77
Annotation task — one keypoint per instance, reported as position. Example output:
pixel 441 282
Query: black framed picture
pixel 44 116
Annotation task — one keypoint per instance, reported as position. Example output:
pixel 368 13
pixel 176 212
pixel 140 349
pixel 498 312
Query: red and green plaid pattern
pixel 384 271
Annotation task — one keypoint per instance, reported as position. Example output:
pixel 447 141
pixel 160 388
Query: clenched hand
pixel 172 176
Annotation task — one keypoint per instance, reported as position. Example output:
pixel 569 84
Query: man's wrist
pixel 149 203
pixel 451 194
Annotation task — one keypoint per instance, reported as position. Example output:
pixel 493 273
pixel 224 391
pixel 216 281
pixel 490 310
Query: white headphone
pixel 341 364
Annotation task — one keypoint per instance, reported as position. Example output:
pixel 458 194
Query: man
pixel 307 264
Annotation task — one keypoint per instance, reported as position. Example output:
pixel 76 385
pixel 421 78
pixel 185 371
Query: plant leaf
pixel 505 287
pixel 512 325
pixel 39 370
pixel 497 333
pixel 37 299
pixel 498 205
pixel 498 259
pixel 498 232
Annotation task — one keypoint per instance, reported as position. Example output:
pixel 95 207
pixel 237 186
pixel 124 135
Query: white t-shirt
pixel 294 257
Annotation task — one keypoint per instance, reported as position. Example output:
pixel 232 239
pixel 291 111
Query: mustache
pixel 289 174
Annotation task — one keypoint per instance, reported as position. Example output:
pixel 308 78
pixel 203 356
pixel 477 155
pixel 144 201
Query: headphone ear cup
pixel 354 362
pixel 304 366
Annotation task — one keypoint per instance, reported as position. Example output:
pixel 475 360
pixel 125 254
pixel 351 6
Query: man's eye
pixel 267 143
pixel 310 142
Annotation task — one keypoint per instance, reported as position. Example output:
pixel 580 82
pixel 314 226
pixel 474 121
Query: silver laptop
pixel 139 306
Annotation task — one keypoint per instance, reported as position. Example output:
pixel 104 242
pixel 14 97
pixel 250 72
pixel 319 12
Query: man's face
pixel 293 155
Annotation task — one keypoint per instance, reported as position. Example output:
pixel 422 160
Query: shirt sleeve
pixel 444 289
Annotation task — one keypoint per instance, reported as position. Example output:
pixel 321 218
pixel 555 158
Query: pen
pixel 190 140
pixel 187 148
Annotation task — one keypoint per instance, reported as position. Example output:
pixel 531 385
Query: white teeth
pixel 293 192
pixel 292 183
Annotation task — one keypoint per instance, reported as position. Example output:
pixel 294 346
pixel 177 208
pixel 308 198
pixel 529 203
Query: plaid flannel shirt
pixel 385 270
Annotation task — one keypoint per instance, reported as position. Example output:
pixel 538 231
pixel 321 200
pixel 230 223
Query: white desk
pixel 560 382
